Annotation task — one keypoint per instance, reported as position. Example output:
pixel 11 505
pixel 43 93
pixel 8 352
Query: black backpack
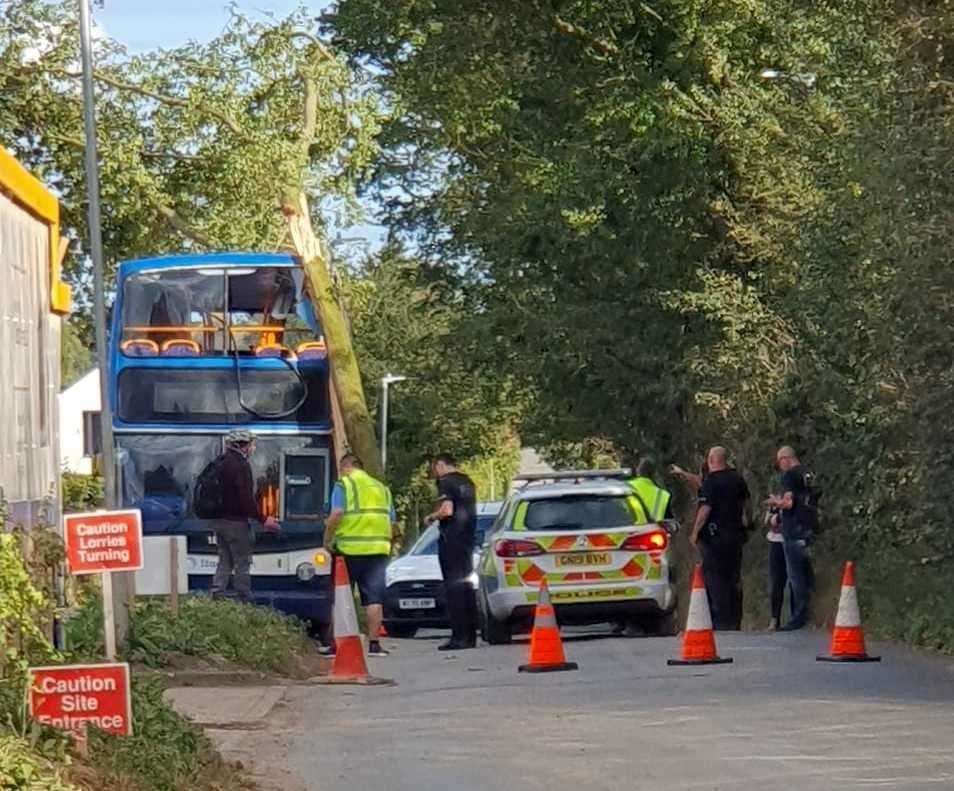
pixel 807 506
pixel 208 501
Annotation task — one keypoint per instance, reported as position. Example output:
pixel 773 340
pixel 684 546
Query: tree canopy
pixel 199 144
pixel 698 222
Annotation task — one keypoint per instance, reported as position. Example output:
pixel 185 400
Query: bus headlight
pixel 305 572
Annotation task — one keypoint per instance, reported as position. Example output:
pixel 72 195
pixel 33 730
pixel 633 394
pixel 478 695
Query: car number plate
pixel 417 604
pixel 583 559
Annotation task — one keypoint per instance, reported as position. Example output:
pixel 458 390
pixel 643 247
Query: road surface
pixel 775 719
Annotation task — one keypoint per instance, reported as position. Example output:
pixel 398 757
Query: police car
pixel 581 531
pixel 414 598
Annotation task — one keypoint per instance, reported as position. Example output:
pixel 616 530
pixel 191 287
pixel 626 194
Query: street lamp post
pixel 119 594
pixel 386 381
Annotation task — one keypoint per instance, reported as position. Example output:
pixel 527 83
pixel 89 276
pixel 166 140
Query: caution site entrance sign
pixel 71 697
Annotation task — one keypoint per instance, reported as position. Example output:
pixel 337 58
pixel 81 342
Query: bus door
pixel 305 485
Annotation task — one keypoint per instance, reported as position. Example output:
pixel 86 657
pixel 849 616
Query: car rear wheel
pixel 491 630
pixel 400 631
pixel 664 625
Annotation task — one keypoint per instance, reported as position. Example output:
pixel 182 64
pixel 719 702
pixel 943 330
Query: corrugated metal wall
pixel 29 362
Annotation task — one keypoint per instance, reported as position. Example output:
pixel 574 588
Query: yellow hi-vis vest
pixel 653 497
pixel 365 528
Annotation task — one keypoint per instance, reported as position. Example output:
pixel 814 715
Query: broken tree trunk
pixel 345 375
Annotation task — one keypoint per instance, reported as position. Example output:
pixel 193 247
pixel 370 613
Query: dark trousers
pixel 722 569
pixel 456 555
pixel 234 541
pixel 801 577
pixel 778 580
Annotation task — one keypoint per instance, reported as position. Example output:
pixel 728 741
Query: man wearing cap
pixel 233 533
pixel 359 527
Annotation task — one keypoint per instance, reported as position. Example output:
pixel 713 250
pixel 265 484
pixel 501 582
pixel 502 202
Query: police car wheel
pixel 664 625
pixel 493 631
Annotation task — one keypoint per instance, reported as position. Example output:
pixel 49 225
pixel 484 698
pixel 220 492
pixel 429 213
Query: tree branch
pixel 172 101
pixel 318 44
pixel 607 48
pixel 311 114
pixel 175 220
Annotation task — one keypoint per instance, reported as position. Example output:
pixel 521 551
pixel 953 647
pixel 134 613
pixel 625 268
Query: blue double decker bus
pixel 201 345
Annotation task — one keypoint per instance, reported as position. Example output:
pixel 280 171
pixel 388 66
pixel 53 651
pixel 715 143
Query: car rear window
pixel 579 512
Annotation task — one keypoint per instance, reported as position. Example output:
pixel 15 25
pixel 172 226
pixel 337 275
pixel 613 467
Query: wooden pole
pixel 174 576
pixel 109 616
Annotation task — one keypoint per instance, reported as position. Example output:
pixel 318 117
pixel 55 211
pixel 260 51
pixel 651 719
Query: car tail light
pixel 647 542
pixel 517 548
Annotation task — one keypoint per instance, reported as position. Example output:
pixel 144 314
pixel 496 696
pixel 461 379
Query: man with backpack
pixel 225 494
pixel 798 506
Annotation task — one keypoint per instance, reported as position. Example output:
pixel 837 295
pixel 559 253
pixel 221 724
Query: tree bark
pixel 345 374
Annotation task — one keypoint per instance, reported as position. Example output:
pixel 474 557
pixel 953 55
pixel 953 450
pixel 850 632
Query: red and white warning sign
pixel 70 697
pixel 103 541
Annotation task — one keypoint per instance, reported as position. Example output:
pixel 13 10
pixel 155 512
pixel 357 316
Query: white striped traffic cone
pixel 848 638
pixel 698 640
pixel 350 663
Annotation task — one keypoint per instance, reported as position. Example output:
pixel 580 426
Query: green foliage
pixel 205 628
pixel 165 753
pixel 23 769
pixel 76 357
pixel 669 250
pixel 199 144
pixel 408 319
pixel 24 611
pixel 81 492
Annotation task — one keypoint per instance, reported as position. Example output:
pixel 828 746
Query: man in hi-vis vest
pixel 359 528
pixel 655 499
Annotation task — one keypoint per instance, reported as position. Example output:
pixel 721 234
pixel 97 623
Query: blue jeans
pixel 801 578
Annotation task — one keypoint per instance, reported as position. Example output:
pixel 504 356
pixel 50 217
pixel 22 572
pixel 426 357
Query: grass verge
pixel 251 638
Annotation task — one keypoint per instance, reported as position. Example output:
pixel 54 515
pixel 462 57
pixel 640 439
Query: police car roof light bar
pixel 569 475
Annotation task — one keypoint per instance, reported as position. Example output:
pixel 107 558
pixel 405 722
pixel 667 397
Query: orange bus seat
pixel 181 347
pixel 312 350
pixel 140 347
pixel 274 350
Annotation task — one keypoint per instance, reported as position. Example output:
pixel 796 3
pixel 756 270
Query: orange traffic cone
pixel 382 632
pixel 546 648
pixel 349 663
pixel 848 638
pixel 698 640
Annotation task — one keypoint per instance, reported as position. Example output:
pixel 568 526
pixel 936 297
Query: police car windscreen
pixel 578 512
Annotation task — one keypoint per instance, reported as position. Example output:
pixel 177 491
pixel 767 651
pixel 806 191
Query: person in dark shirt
pixel 720 531
pixel 233 533
pixel 797 534
pixel 457 513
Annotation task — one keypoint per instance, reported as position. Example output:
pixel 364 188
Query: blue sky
pixel 147 24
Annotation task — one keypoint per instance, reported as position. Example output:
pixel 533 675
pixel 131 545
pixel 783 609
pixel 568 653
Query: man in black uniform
pixel 457 513
pixel 719 532
pixel 798 533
